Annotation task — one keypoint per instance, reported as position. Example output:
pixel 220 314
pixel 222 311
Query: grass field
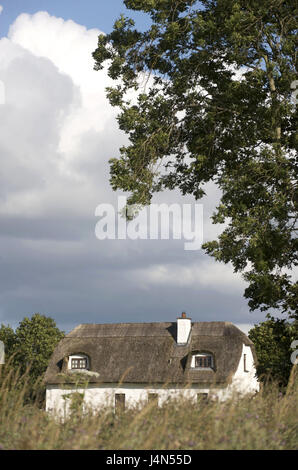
pixel 267 421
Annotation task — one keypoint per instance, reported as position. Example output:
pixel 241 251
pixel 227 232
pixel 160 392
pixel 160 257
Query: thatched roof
pixel 147 353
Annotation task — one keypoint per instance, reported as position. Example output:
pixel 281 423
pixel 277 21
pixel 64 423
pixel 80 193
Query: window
pixel 202 361
pixel 119 402
pixel 245 363
pixel 79 363
pixel 153 398
pixel 202 397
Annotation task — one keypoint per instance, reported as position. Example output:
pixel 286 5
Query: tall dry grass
pixel 266 421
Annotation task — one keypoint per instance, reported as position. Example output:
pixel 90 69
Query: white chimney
pixel 183 329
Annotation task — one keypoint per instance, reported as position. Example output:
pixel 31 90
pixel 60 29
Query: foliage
pixel 266 421
pixel 272 340
pixel 32 344
pixel 76 402
pixel 213 82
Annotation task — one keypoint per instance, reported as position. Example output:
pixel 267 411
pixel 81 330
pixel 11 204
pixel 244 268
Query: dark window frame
pixel 119 403
pixel 79 363
pixel 245 363
pixel 153 398
pixel 202 397
pixel 203 361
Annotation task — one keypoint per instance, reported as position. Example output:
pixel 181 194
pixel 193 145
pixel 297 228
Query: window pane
pixel 79 363
pixel 202 397
pixel 83 364
pixel 198 361
pixel 119 402
pixel 244 363
pixel 203 361
pixel 153 398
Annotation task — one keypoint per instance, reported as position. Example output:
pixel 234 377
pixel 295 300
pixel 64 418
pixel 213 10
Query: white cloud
pixel 1 9
pixel 57 119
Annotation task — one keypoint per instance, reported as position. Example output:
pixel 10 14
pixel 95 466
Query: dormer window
pixel 78 362
pixel 202 361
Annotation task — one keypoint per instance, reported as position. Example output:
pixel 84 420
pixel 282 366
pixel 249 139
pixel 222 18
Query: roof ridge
pixel 148 323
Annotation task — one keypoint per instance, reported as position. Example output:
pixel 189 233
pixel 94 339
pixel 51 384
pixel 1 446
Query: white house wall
pixel 243 381
pixel 98 396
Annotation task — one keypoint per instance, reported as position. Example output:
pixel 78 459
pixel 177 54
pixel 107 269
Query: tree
pixel 32 344
pixel 213 83
pixel 272 340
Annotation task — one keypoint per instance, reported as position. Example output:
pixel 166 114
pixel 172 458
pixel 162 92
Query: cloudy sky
pixel 57 133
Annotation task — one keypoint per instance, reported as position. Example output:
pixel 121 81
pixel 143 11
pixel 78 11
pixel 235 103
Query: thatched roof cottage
pixel 121 364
